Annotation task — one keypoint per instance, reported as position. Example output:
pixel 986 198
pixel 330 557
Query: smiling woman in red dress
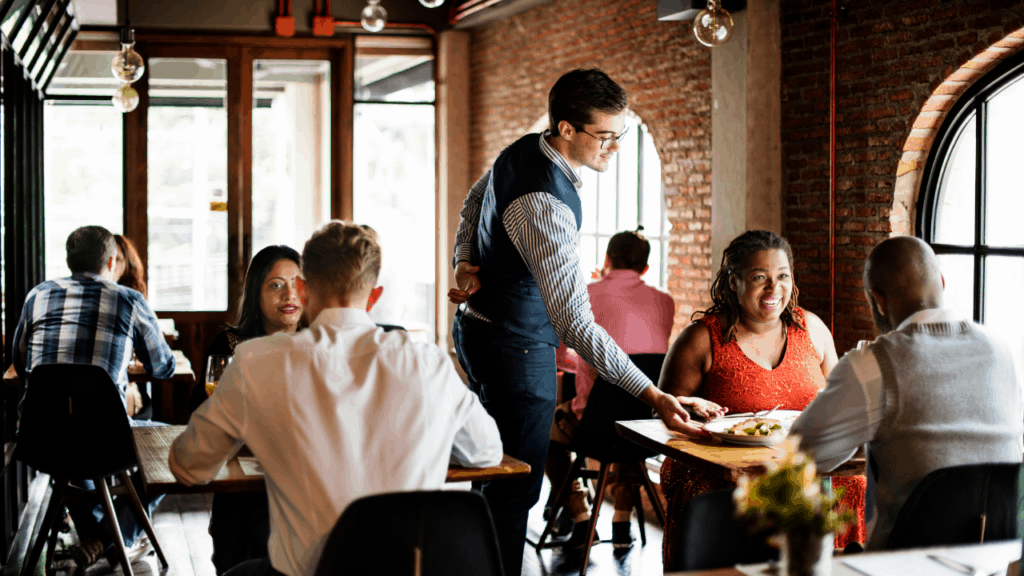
pixel 752 350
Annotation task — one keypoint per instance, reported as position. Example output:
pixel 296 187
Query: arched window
pixel 971 208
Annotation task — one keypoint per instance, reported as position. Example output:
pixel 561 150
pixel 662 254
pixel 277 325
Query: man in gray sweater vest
pixel 933 391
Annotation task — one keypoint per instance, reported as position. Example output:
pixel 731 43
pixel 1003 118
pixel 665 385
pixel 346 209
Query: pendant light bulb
pixel 374 16
pixel 713 26
pixel 127 65
pixel 125 98
pixel 431 3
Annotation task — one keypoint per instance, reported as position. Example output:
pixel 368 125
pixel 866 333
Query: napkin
pixel 250 466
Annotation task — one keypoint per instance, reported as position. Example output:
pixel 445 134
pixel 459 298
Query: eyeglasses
pixel 606 142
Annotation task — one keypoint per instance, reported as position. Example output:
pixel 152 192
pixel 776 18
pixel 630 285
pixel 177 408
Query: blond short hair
pixel 342 258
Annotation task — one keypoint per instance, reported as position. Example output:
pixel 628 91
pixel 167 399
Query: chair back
pixel 596 436
pixel 946 508
pixel 449 533
pixel 73 423
pixel 711 537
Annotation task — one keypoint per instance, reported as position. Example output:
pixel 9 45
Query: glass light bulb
pixel 374 16
pixel 125 98
pixel 713 26
pixel 127 65
pixel 431 3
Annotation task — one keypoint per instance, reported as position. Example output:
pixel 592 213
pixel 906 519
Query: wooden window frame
pixel 239 52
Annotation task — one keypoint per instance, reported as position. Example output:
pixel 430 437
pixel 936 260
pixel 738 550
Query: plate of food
pixel 753 430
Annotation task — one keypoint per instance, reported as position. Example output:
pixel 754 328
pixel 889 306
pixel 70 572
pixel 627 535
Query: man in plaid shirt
pixel 88 318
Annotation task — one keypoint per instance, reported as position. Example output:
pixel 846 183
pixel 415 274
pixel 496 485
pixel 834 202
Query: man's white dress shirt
pixel 333 413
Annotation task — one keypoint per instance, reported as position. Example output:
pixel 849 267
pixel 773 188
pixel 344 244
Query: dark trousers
pixel 240 527
pixel 514 377
pixel 260 567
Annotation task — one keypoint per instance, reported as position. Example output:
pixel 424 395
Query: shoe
pixel 142 548
pixel 579 537
pixel 564 524
pixel 87 553
pixel 622 535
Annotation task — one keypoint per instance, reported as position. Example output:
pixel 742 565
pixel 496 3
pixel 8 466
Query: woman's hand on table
pixel 706 409
pixel 133 399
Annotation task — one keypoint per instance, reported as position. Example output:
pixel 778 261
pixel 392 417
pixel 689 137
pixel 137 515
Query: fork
pixel 961 567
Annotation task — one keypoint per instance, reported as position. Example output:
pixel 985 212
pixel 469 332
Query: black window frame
pixel 972 104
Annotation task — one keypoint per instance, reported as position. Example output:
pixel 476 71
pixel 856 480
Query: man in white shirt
pixel 335 412
pixel 934 390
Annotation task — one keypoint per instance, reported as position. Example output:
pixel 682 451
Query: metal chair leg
pixel 115 528
pixel 563 493
pixel 659 510
pixel 56 504
pixel 140 512
pixel 602 484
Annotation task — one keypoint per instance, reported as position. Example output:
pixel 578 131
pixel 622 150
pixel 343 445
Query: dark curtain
pixel 23 246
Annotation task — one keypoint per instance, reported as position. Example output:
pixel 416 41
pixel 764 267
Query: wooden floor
pixel 181 523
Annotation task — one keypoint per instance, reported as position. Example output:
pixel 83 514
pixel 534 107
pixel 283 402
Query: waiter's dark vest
pixel 509 295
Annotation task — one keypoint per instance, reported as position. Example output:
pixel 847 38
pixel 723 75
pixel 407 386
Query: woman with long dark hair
pixel 128 267
pixel 752 350
pixel 271 303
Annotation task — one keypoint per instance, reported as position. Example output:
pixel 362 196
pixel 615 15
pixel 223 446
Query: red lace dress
pixel 741 385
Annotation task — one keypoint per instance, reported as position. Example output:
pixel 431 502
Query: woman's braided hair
pixel 342 257
pixel 735 260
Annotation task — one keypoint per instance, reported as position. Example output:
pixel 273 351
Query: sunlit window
pixel 394 182
pixel 187 181
pixel 291 151
pixel 971 203
pixel 623 197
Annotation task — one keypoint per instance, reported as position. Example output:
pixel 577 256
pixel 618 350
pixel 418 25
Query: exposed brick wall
pixel 892 56
pixel 667 74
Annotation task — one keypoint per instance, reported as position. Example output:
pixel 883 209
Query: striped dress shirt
pixel 85 319
pixel 543 230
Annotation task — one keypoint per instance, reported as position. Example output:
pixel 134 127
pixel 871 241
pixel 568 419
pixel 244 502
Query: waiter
pixel 517 268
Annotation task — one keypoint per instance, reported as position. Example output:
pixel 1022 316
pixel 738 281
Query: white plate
pixel 720 426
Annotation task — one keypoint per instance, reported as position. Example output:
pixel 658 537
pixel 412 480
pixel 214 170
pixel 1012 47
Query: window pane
pixel 394 193
pixel 394 78
pixel 958 270
pixel 653 200
pixel 588 256
pixel 1004 276
pixel 955 208
pixel 628 163
pixel 291 151
pixel 1004 199
pixel 606 198
pixel 81 173
pixel 187 179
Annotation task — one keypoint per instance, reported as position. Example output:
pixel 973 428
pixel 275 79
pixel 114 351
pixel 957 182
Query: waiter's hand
pixel 671 412
pixel 133 399
pixel 466 281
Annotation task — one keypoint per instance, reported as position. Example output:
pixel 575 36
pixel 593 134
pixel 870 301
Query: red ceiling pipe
pixel 832 176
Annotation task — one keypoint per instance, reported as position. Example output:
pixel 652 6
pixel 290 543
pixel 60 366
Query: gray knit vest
pixel 952 398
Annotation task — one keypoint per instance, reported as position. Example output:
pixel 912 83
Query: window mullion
pixel 640 176
pixel 980 171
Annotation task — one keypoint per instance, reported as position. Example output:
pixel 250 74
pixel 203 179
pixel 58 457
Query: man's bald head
pixel 902 273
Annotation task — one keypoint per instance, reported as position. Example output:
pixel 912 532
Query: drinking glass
pixel 215 366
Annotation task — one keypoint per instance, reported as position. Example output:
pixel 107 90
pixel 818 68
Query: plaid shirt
pixel 85 319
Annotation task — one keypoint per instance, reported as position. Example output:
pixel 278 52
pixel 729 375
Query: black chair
pixel 711 537
pixel 73 425
pixel 597 438
pixel 959 505
pixel 435 533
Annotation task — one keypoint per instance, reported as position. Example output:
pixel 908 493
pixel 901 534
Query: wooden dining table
pixel 711 455
pixel 243 474
pixel 991 558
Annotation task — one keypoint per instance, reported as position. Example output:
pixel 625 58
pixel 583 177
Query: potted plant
pixel 788 498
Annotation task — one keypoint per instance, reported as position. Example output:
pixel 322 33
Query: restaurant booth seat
pixel 73 425
pixel 597 438
pixel 429 533
pixel 711 537
pixel 959 505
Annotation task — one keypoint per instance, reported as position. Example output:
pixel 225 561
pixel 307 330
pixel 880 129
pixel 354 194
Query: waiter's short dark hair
pixel 578 94
pixel 629 251
pixel 90 248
